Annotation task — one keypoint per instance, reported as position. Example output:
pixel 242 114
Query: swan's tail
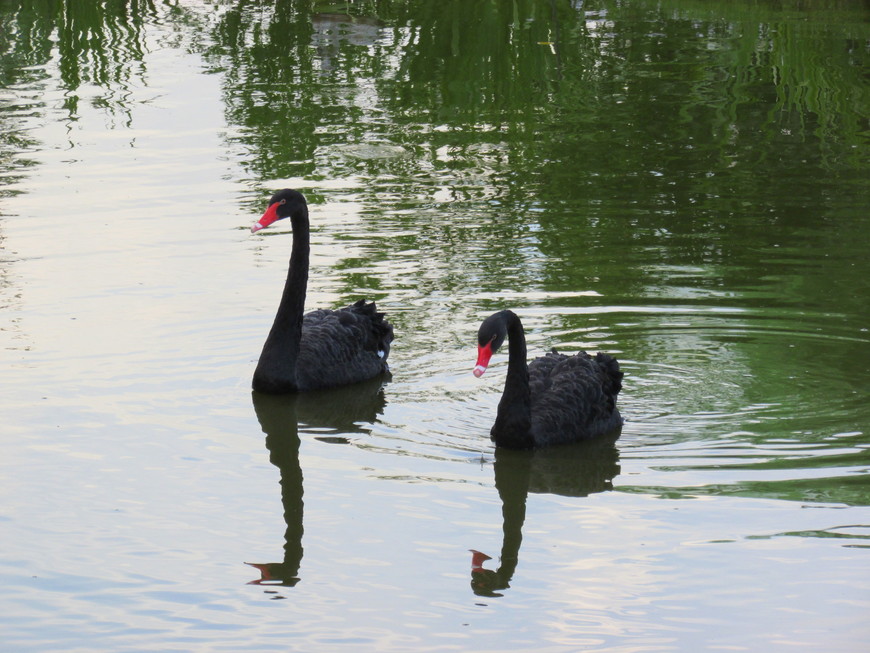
pixel 381 329
pixel 609 374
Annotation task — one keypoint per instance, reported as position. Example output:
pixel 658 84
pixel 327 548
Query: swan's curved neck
pixel 276 369
pixel 513 424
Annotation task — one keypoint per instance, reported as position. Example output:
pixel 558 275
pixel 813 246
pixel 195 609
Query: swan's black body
pixel 555 399
pixel 324 348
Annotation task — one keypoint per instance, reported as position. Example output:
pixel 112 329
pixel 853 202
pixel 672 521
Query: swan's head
pixel 490 337
pixel 283 204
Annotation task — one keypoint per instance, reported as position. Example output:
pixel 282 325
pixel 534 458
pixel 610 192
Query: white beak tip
pixel 478 370
pixel 256 227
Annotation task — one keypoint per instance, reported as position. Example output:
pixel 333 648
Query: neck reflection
pixel 335 415
pixel 575 470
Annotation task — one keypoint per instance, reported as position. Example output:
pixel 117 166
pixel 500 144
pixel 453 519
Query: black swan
pixel 324 348
pixel 555 399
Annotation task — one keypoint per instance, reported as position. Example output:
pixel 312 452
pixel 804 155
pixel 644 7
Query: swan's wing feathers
pixel 541 373
pixel 351 343
pixel 574 397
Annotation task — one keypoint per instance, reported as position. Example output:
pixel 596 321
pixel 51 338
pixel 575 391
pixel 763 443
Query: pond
pixel 681 184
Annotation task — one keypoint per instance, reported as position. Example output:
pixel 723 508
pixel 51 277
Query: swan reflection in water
pixel 342 410
pixel 575 470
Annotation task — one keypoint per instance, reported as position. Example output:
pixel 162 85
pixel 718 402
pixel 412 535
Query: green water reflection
pixel 683 183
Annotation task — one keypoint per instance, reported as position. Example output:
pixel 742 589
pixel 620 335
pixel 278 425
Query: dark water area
pixel 681 184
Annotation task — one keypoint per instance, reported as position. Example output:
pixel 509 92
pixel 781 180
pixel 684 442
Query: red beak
pixel 268 218
pixel 484 353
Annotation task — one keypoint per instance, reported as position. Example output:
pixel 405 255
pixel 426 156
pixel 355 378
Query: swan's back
pixel 344 346
pixel 573 397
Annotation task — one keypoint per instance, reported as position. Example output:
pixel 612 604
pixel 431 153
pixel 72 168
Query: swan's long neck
pixel 276 369
pixel 513 424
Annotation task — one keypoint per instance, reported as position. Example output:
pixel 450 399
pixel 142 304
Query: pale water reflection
pixel 330 416
pixel 681 184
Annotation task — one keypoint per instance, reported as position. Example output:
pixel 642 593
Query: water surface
pixel 681 184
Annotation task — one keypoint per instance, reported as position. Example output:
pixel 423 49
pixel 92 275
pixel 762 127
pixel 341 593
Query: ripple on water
pixel 739 406
pixel 748 407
